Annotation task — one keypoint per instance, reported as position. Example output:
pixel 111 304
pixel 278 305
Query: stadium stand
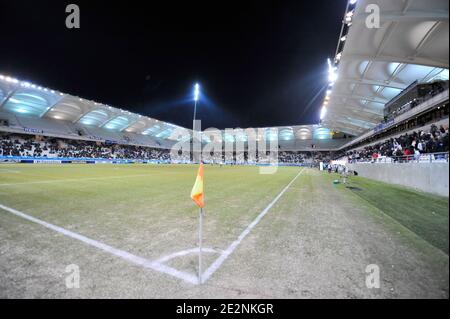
pixel 435 115
pixel 35 146
pixel 50 147
pixel 405 147
pixel 412 96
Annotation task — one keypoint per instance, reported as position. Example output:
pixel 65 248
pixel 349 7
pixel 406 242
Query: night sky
pixel 259 63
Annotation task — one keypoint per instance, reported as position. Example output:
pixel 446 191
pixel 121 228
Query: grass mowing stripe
pixel 74 179
pixel 424 214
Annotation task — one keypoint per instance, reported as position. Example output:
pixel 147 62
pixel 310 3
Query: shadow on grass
pixel 425 214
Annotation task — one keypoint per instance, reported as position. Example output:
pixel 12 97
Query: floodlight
pixel 323 112
pixel 196 91
pixel 332 73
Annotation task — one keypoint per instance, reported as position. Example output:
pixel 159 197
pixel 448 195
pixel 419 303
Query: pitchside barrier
pixel 71 160
pixel 441 157
pixel 430 177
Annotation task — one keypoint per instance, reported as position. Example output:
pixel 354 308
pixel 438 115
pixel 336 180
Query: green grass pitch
pixel 315 242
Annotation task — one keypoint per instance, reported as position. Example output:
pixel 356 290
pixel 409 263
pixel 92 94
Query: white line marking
pixel 184 253
pixel 155 265
pixel 114 251
pixel 227 252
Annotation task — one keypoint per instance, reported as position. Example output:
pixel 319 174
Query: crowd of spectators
pixel 408 145
pixel 302 157
pixel 284 157
pixel 51 147
pixel 29 145
pixel 294 157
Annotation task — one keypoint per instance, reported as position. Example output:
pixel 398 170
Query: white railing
pixel 422 158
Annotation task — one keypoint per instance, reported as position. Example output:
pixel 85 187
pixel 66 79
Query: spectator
pixel 416 143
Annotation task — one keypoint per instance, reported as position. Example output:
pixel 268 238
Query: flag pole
pixel 200 237
pixel 200 219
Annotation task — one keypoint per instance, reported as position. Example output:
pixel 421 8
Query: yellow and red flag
pixel 197 193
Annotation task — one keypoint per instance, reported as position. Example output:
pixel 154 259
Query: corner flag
pixel 197 193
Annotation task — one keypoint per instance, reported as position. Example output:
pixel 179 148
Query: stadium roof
pixel 28 99
pixel 373 65
pixel 282 133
